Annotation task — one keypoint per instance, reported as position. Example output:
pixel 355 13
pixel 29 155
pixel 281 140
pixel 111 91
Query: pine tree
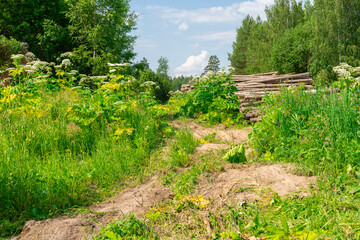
pixel 163 67
pixel 213 64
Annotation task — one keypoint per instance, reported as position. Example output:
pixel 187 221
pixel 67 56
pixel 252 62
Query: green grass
pixel 67 148
pixel 128 228
pixel 319 132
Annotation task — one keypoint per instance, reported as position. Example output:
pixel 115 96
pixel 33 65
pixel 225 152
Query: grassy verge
pixel 67 147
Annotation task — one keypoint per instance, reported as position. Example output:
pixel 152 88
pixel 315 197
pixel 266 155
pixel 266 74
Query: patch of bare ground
pixel 82 226
pixel 211 147
pixel 245 184
pixel 223 133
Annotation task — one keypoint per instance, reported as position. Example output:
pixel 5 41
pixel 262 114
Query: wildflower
pixel 231 69
pixel 130 130
pixel 112 71
pixel 73 72
pixel 17 57
pixel 66 62
pixel 29 57
pixel 67 55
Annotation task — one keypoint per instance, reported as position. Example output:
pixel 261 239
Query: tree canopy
pixel 95 30
pixel 298 37
pixel 163 67
pixel 213 64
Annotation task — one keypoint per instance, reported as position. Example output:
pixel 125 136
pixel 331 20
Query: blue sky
pixel 188 32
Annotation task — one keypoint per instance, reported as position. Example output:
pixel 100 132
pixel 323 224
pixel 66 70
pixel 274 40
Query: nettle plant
pixel 213 98
pixel 348 76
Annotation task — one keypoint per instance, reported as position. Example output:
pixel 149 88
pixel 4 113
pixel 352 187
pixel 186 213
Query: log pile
pixel 187 87
pixel 252 88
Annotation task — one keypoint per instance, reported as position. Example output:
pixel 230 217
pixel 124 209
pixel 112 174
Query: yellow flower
pixel 202 141
pixel 112 86
pixel 161 108
pixel 119 131
pixel 199 201
pixel 130 130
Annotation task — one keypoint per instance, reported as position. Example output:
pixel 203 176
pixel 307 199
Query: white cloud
pixel 226 37
pixel 233 13
pixel 194 65
pixel 183 27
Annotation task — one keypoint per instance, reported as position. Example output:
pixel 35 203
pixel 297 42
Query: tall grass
pixel 53 157
pixel 319 131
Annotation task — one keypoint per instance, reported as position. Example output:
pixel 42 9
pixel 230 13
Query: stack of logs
pixel 187 87
pixel 252 88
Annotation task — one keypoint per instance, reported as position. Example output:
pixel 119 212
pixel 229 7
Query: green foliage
pixel 66 144
pixel 36 21
pixel 181 148
pixel 240 46
pixel 129 228
pixel 298 38
pixel 163 85
pixel 178 81
pixel 291 52
pixel 213 98
pixel 236 155
pixel 7 48
pixel 163 67
pixel 213 64
pixel 96 32
pixel 100 30
pixel 319 132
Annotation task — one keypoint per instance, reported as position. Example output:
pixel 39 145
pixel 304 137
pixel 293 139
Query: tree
pixel 101 28
pixel 213 64
pixel 163 67
pixel 144 63
pixel 291 53
pixel 140 67
pixel 42 24
pixel 238 58
pixel 336 34
pixel 162 81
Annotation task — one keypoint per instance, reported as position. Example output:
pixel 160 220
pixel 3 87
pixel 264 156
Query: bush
pixel 213 98
pixel 291 53
pixel 7 48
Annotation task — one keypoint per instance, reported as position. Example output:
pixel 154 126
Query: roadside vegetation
pixel 67 140
pixel 76 128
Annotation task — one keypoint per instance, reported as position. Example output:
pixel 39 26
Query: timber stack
pixel 252 89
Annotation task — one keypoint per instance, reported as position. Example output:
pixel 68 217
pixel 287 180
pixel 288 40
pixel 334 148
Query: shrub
pixel 213 98
pixel 7 48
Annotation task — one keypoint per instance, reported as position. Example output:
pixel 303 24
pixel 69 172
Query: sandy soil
pixel 223 133
pixel 82 226
pixel 245 184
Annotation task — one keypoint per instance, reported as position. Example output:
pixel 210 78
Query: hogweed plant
pixel 65 144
